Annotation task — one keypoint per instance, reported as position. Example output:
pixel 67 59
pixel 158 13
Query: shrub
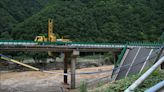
pixel 121 85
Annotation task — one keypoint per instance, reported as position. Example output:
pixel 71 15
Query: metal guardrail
pixel 156 87
pixel 121 56
pixel 82 44
pixel 17 42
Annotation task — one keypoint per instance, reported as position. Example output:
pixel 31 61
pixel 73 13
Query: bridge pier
pixel 73 68
pixel 66 67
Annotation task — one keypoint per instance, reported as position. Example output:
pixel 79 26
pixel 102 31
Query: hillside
pixel 96 20
pixel 16 11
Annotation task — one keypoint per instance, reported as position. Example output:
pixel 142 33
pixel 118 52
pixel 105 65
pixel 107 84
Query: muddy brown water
pixel 36 81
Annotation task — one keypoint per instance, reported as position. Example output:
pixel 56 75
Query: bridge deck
pixel 55 48
pixel 15 45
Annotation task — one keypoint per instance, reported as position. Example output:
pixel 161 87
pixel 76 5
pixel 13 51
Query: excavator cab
pixel 40 39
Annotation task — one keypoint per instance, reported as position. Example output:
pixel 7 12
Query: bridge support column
pixel 73 68
pixel 65 68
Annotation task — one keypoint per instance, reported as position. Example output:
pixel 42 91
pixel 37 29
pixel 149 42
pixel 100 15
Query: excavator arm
pixel 51 35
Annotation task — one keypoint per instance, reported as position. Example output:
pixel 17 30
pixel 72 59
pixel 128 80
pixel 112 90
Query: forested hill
pixel 85 20
pixel 13 12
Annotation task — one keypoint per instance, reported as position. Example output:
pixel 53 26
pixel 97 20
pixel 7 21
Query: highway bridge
pixel 132 53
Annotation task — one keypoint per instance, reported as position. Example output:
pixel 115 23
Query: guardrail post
pixel 156 88
pixel 73 68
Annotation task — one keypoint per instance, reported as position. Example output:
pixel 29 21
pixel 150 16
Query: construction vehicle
pixel 51 36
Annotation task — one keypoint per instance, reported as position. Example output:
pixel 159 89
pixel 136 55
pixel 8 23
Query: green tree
pixel 162 38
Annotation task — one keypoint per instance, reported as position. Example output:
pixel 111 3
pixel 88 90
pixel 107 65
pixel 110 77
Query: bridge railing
pixel 17 42
pixel 121 56
pixel 91 44
pixel 144 43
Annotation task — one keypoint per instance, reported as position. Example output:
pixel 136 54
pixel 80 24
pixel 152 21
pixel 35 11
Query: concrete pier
pixel 73 68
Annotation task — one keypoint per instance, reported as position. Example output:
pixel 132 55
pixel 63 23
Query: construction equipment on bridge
pixel 51 36
pixel 17 62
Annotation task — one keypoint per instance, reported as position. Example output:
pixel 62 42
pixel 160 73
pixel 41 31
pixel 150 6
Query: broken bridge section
pixel 135 60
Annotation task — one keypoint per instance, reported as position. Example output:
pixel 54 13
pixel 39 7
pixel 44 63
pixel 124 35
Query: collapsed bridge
pixel 135 55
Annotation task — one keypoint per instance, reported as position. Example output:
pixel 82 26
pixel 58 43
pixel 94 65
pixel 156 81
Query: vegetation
pixel 162 37
pixel 83 87
pixel 121 85
pixel 16 11
pixel 84 20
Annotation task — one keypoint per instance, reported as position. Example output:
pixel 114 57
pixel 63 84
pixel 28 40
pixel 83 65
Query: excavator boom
pixel 51 35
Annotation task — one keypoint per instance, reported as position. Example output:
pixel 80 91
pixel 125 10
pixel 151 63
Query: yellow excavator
pixel 51 36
